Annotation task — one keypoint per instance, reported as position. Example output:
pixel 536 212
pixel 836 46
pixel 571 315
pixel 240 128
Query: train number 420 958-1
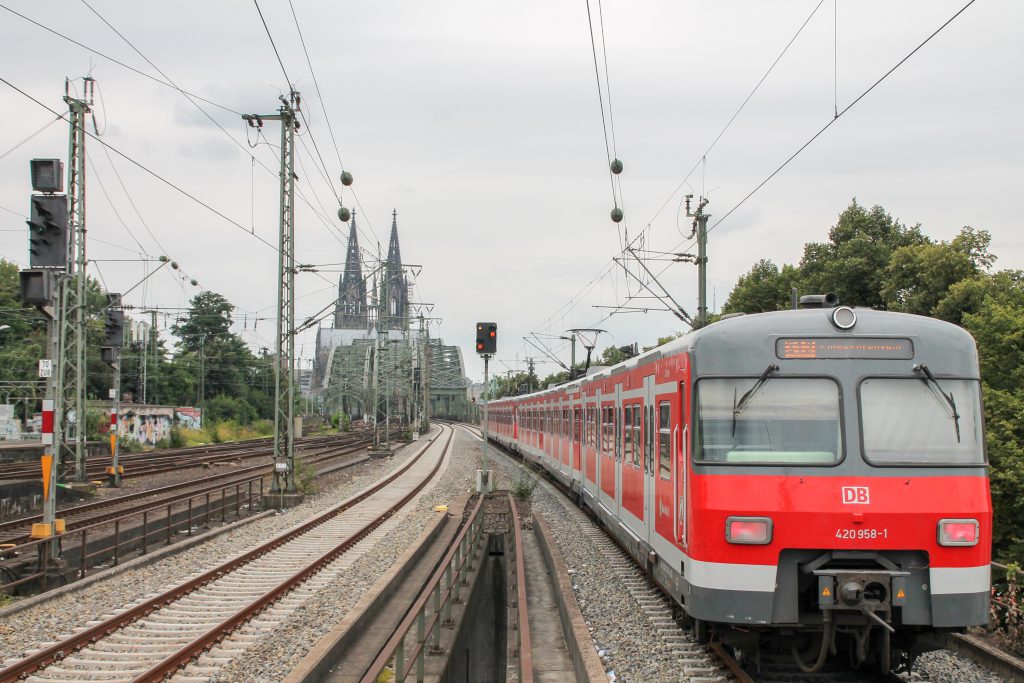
pixel 857 534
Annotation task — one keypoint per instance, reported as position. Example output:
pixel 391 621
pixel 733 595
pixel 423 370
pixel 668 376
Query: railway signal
pixel 486 338
pixel 48 231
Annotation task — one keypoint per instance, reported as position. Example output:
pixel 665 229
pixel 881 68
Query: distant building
pixel 343 370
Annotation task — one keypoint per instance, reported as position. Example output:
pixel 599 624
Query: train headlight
pixel 958 532
pixel 748 530
pixel 844 317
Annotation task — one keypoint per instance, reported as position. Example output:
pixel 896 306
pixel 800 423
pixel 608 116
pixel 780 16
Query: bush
pixel 1007 609
pixel 305 477
pixel 128 445
pixel 524 486
pixel 335 420
pixel 346 423
pixel 223 408
pixel 177 437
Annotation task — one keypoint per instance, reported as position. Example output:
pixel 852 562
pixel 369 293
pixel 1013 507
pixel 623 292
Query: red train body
pixel 789 472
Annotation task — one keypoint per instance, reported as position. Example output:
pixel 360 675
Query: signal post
pixel 486 346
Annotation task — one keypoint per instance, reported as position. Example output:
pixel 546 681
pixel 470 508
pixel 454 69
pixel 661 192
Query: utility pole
pixel 51 261
pixel 425 376
pixel 70 392
pixel 284 368
pixel 381 440
pixel 483 451
pixel 572 363
pixel 700 229
pixel 143 348
pixel 115 413
pixel 153 342
pixel 111 354
pixel 201 397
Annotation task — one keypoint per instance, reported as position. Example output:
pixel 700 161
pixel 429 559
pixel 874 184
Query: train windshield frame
pixel 911 421
pixel 779 421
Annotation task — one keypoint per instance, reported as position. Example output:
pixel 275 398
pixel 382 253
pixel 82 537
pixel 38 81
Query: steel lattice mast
pixel 71 381
pixel 284 366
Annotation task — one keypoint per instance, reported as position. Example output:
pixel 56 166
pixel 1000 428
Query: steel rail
pixel 451 566
pixel 525 649
pixel 197 646
pixel 17 554
pixel 89 635
pixel 346 448
pixel 168 459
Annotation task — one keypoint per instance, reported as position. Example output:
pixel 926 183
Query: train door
pixel 577 440
pixel 617 448
pixel 590 443
pixel 650 461
pixel 681 442
pixel 597 441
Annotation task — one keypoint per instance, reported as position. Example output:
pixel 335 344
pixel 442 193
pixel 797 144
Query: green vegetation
pixel 305 477
pixel 208 366
pixel 871 259
pixel 1007 608
pixel 524 485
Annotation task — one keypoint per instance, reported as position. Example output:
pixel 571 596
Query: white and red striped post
pixel 49 466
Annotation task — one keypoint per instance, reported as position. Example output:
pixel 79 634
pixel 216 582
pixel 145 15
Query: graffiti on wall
pixel 150 424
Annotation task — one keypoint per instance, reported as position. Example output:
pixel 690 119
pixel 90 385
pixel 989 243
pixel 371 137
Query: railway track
pixel 15 532
pixel 228 604
pixel 169 460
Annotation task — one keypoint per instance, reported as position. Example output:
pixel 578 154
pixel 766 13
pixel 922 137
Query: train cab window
pixel 768 421
pixel 921 421
pixel 665 440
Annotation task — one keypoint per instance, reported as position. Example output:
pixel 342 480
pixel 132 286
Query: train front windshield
pixel 921 422
pixel 769 421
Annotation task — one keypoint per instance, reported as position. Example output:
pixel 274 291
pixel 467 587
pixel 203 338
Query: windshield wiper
pixel 740 406
pixel 950 401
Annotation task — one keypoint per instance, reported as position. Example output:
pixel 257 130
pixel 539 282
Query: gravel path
pixel 26 629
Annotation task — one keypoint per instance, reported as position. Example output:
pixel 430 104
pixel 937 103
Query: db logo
pixel 856 495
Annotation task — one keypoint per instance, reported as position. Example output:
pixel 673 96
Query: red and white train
pixel 814 476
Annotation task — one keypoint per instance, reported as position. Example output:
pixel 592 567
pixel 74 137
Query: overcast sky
pixel 479 122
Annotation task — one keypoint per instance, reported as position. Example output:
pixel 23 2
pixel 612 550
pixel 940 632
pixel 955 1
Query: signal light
pixel 748 530
pixel 48 231
pixel 486 338
pixel 953 532
pixel 114 324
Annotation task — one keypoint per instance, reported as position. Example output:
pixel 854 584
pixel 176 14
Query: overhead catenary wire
pixel 192 100
pixel 840 114
pixel 736 114
pixel 29 138
pixel 140 165
pixel 115 61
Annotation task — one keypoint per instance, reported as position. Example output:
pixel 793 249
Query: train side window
pixel 576 428
pixel 637 435
pixel 627 435
pixel 665 439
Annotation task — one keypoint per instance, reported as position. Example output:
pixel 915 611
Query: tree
pixel 852 263
pixel 918 277
pixel 213 357
pixel 764 288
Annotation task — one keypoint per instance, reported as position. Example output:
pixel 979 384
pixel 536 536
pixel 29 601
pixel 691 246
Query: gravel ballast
pixel 43 623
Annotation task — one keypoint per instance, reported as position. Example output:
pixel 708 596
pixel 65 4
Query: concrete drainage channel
pixel 481 596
